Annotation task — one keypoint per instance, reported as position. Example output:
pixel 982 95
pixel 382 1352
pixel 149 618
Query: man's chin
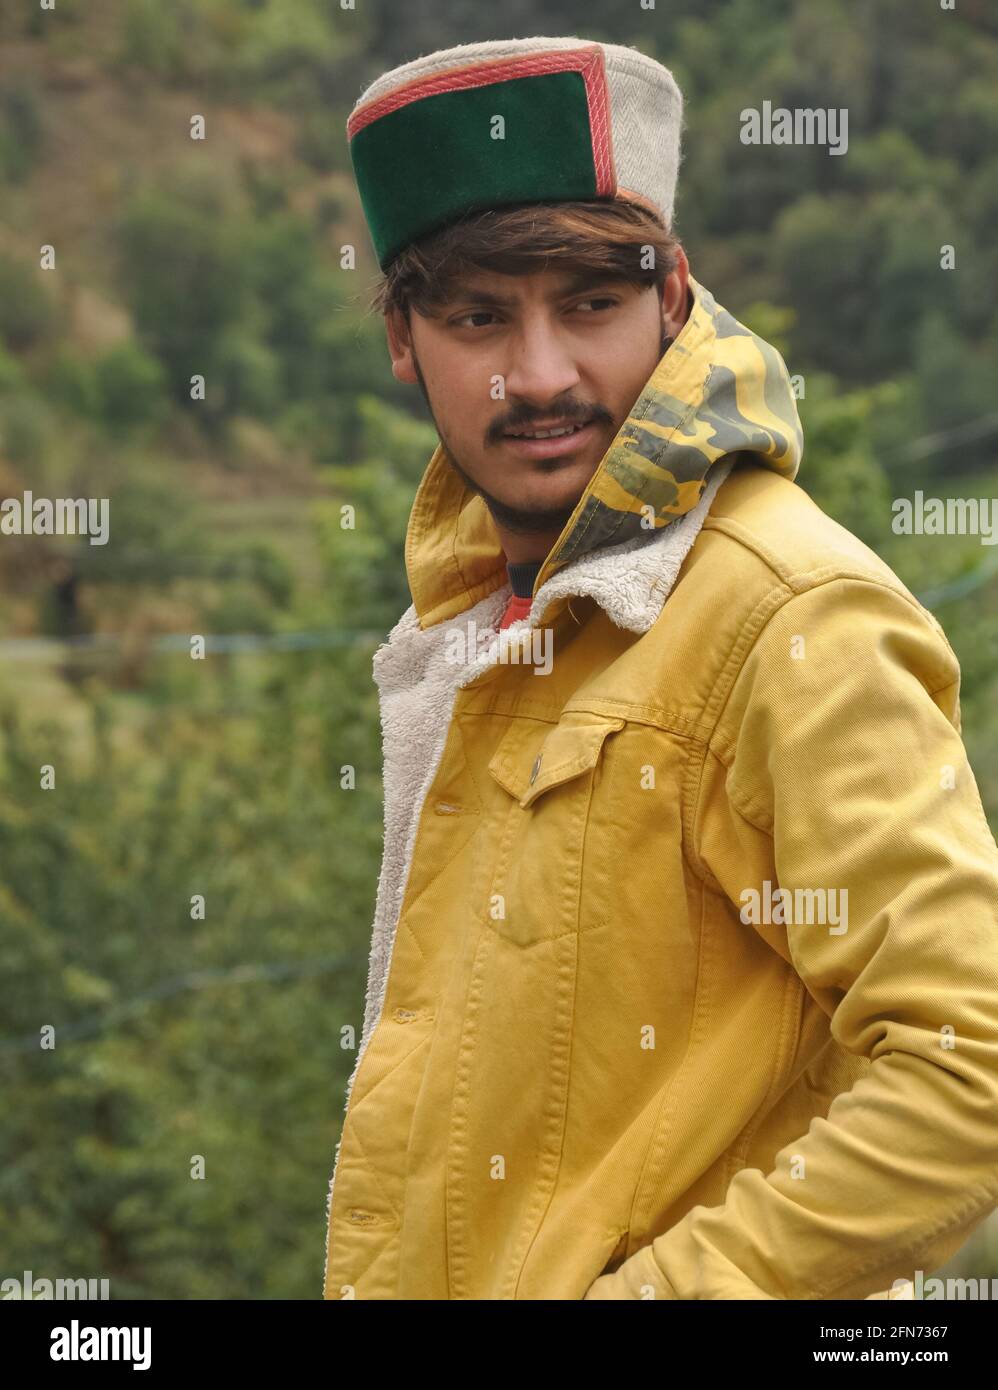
pixel 544 515
pixel 528 523
pixel 539 520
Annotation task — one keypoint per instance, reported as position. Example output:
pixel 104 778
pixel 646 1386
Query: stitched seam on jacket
pixel 950 685
pixel 716 702
pixel 802 581
pixel 735 531
pixel 793 993
pixel 700 1001
pixel 566 1090
pixel 689 798
pixel 740 804
pixel 372 1170
pixel 358 1101
pixel 455 1184
pixel 637 711
pixel 660 717
pixel 949 1222
pixel 750 636
pixel 410 897
pixel 469 767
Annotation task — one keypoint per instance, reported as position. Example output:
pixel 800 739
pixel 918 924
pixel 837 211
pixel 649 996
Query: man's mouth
pixel 553 442
pixel 553 433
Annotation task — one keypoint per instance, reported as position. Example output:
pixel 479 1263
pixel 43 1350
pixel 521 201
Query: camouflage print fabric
pixel 719 389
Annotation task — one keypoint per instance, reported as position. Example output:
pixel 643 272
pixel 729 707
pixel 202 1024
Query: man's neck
pixel 522 549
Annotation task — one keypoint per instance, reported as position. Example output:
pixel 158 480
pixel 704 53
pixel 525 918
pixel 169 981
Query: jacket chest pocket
pixel 534 844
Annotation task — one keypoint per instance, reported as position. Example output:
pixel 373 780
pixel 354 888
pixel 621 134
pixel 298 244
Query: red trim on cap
pixel 589 62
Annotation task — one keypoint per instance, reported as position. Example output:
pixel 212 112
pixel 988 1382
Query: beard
pixel 522 521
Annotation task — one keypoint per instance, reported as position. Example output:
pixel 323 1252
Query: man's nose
pixel 541 365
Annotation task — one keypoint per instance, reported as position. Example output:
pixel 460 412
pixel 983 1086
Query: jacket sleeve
pixel 837 763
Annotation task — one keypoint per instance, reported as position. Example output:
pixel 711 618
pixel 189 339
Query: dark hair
pixel 608 238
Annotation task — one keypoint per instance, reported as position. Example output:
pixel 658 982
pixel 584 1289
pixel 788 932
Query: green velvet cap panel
pixel 424 165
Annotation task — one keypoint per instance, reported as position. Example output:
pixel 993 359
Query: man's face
pixel 563 350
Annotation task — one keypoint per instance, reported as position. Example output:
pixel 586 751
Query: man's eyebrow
pixel 583 280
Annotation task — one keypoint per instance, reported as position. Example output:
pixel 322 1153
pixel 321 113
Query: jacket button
pixel 535 769
pixel 404 1015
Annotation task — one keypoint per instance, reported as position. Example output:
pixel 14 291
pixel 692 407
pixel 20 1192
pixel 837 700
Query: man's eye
pixel 464 321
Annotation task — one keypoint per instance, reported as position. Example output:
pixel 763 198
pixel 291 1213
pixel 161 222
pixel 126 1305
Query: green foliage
pixel 954 383
pixel 12 374
pixel 130 386
pixel 21 129
pixel 235 46
pixel 153 40
pixel 120 391
pixel 26 427
pixel 772 322
pixel 287 37
pixel 71 382
pixel 27 312
pixel 256 583
pixel 824 246
pixel 248 375
pixel 170 1031
pixel 364 553
pixel 320 140
pixel 160 535
pixel 843 475
pixel 184 271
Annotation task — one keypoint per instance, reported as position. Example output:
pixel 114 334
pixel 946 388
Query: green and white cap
pixel 579 121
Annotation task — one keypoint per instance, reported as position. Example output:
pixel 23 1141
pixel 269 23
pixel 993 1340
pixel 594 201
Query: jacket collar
pixel 719 390
pixel 631 581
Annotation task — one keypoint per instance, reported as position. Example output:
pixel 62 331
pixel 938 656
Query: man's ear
pixel 674 295
pixel 400 346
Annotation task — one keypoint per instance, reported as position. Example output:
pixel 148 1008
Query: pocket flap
pixel 570 748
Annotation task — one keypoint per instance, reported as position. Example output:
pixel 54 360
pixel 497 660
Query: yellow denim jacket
pixel 684 969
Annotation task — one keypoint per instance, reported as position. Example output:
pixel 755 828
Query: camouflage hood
pixel 718 391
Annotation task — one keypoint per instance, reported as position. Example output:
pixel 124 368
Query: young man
pixel 684 973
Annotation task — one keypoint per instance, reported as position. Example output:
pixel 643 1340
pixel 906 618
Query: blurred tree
pixel 185 274
pixel 28 314
pixel 21 127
